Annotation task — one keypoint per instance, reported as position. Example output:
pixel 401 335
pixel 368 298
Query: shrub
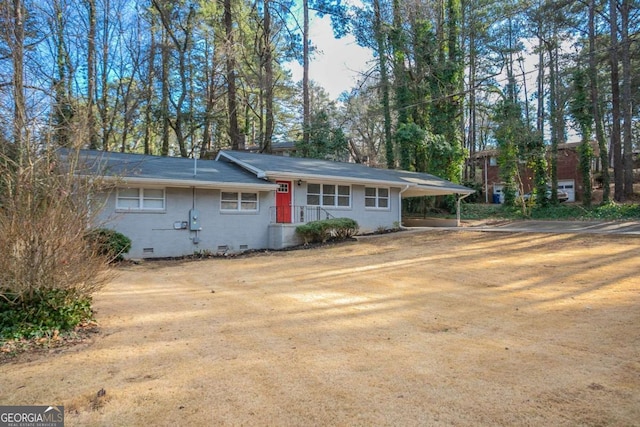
pixel 48 270
pixel 617 211
pixel 109 243
pixel 45 312
pixel 315 231
pixel 323 230
pixel 343 228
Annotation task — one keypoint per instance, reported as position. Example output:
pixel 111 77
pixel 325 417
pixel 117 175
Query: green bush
pixel 343 228
pixel 43 313
pixel 110 243
pixel 321 231
pixel 565 211
pixel 613 211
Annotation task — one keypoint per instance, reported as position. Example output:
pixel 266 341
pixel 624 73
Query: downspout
pixel 195 239
pixel 400 205
pixel 458 209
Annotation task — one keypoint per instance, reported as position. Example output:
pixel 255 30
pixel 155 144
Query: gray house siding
pixel 369 219
pixel 372 219
pixel 240 231
pixel 153 234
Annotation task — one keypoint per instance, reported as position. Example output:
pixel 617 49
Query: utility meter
pixel 194 220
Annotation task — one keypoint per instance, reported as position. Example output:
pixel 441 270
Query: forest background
pixel 448 78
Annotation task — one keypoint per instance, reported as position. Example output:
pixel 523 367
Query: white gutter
pixel 422 189
pixel 329 178
pixel 191 183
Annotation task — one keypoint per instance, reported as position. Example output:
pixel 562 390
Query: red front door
pixel 283 202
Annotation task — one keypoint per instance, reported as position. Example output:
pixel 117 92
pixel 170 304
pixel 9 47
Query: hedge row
pixel 321 231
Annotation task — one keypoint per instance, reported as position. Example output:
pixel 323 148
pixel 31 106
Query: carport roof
pixel 275 167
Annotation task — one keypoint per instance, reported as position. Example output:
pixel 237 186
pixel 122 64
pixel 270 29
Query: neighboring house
pixel 242 201
pixel 569 175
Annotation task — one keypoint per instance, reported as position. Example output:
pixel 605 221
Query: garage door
pixel 568 186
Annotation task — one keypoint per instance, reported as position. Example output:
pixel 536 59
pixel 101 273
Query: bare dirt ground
pixel 428 328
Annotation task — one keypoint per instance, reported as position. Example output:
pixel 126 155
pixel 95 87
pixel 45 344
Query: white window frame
pixel 323 196
pixel 143 201
pixel 283 187
pixel 377 198
pixel 239 201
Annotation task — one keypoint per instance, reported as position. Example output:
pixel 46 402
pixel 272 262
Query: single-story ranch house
pixel 240 201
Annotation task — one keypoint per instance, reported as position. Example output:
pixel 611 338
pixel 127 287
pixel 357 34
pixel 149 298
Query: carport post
pixel 458 209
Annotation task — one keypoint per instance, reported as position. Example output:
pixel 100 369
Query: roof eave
pixel 187 183
pixel 341 179
pixel 417 191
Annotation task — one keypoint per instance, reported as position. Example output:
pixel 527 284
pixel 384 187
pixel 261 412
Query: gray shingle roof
pixel 251 170
pixel 269 166
pixel 176 170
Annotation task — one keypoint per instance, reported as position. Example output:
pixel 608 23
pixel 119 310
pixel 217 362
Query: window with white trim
pixel 283 187
pixel 239 202
pixel 140 199
pixel 376 198
pixel 329 195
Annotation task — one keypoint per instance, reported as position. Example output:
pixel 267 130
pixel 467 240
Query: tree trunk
pixel 104 81
pixel 164 101
pixel 306 106
pixel 384 83
pixel 615 105
pixel 149 92
pixel 268 79
pixel 540 97
pixel 398 48
pixel 470 172
pixel 210 77
pixel 19 106
pixel 595 104
pixel 62 109
pixel 553 107
pixel 456 69
pixel 627 106
pixel 232 103
pixel 91 75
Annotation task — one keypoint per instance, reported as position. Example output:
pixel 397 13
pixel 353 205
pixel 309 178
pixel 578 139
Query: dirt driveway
pixel 430 328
